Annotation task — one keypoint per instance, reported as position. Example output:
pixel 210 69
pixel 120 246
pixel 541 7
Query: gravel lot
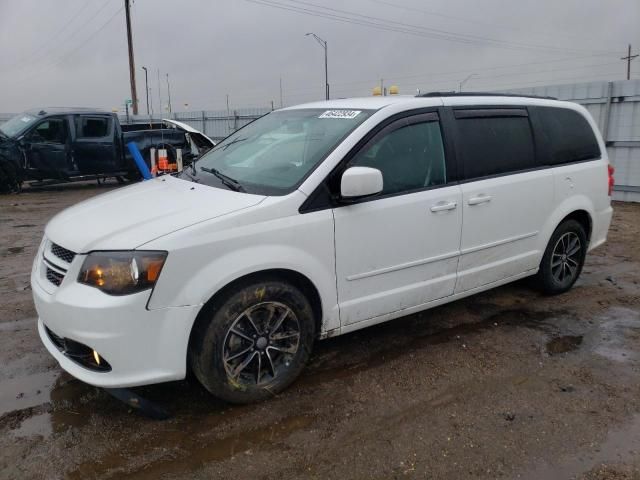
pixel 504 384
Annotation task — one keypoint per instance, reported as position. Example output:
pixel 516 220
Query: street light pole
pixel 169 93
pixel 466 80
pixel 146 87
pixel 323 44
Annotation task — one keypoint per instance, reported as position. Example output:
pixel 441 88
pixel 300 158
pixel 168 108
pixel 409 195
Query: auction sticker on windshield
pixel 340 114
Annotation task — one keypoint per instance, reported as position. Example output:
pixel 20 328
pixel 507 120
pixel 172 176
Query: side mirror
pixel 360 182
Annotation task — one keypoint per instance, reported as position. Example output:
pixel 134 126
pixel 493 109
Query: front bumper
pixel 142 346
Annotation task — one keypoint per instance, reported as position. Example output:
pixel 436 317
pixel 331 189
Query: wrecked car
pixel 57 145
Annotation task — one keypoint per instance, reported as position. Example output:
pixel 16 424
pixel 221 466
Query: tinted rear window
pixel 495 145
pixel 565 136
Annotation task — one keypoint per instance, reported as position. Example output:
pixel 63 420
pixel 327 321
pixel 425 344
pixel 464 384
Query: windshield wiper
pixel 229 182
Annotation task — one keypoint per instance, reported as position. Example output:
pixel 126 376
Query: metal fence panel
pixel 215 124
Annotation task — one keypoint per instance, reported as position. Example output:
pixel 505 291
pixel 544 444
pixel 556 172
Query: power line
pixel 54 46
pixel 461 19
pixel 52 38
pixel 436 31
pixel 81 45
pixel 382 24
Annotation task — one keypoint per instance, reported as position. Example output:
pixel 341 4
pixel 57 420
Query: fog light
pixel 96 357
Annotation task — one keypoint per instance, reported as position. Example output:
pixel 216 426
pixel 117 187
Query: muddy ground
pixel 505 384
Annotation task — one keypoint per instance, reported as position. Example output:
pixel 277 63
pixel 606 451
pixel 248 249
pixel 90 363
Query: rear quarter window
pixel 564 136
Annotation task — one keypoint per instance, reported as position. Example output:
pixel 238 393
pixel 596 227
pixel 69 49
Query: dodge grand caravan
pixel 314 221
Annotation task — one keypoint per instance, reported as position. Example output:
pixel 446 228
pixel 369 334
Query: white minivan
pixel 314 221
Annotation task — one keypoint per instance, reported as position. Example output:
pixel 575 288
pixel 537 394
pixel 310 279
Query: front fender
pixel 204 264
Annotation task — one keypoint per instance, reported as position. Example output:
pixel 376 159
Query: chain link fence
pixel 215 124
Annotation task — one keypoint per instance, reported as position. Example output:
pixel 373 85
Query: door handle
pixel 442 206
pixel 482 198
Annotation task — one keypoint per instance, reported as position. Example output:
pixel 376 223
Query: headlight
pixel 122 273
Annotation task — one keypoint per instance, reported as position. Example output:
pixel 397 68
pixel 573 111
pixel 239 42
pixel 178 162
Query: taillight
pixel 611 180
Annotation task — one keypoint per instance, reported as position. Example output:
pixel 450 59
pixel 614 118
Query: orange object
pixel 163 160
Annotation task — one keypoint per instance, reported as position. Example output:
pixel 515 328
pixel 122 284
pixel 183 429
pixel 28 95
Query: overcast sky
pixel 74 52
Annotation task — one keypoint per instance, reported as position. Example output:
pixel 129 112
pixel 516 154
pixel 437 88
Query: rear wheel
pixel 253 342
pixel 563 259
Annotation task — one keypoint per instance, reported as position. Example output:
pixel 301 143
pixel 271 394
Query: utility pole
pixel 146 87
pixel 323 44
pixel 169 93
pixel 132 68
pixel 280 92
pixel 160 96
pixel 628 58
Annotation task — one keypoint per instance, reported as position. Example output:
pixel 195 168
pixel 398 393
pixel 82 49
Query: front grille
pixel 54 277
pixel 62 253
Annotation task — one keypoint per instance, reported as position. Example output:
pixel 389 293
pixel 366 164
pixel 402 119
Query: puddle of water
pixel 61 402
pixel 184 451
pixel 564 344
pixel 47 423
pixel 619 331
pixel 36 425
pixel 621 445
pixel 27 391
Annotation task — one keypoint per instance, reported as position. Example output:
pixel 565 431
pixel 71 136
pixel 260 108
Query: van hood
pixel 132 216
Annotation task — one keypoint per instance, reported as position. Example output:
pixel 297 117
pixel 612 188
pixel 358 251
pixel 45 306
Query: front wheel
pixel 563 259
pixel 254 342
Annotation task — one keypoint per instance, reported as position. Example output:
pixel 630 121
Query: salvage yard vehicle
pixel 70 144
pixel 314 221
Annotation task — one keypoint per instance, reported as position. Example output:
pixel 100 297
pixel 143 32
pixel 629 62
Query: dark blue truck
pixel 56 145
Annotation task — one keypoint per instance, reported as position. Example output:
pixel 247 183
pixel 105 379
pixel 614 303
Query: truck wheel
pixel 9 179
pixel 253 342
pixel 133 176
pixel 563 259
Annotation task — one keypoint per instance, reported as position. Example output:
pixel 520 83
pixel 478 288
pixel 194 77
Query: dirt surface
pixel 504 384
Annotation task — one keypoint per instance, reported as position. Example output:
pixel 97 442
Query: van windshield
pixel 16 125
pixel 272 155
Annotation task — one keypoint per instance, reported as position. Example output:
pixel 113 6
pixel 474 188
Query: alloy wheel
pixel 261 343
pixel 565 259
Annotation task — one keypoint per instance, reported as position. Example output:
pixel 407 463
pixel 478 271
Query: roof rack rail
pixel 481 94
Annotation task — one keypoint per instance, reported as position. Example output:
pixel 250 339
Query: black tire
pixel 562 263
pixel 133 176
pixel 9 176
pixel 272 355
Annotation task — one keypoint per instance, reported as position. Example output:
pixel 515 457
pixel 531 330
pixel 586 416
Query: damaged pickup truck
pixel 57 145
